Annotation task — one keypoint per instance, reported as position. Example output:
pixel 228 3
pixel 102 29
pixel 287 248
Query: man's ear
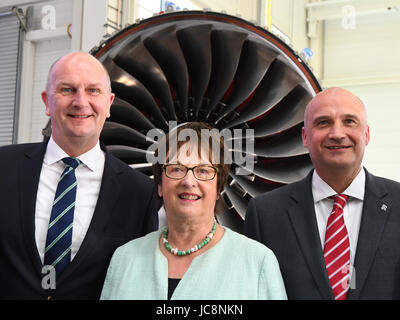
pixel 304 136
pixel 45 99
pixel 367 136
pixel 112 96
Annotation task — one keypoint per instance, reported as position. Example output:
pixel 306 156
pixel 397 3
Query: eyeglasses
pixel 201 172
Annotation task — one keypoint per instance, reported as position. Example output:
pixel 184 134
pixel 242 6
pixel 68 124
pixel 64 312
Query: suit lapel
pixel 108 196
pixel 304 223
pixel 29 180
pixel 374 215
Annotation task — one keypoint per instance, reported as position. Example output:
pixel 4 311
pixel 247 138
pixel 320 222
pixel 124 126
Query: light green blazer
pixel 235 268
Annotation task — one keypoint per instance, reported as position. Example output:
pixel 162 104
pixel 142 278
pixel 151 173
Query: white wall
pixel 94 18
pixel 370 50
pixel 365 60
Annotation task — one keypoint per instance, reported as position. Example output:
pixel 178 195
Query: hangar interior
pixel 353 44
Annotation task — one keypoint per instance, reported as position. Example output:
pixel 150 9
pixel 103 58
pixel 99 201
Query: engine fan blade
pixel 284 171
pixel 128 154
pixel 229 218
pixel 125 113
pixel 131 90
pixel 145 168
pixel 254 63
pixel 287 144
pixel 237 201
pixel 118 134
pixel 164 47
pixel 288 113
pixel 254 186
pixel 279 81
pixel 137 61
pixel 196 46
pixel 226 50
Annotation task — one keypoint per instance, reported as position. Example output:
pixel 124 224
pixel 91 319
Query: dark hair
pixel 202 130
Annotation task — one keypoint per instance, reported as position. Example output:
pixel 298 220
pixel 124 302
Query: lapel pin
pixel 384 207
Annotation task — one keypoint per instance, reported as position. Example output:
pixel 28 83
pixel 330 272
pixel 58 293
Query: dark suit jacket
pixel 126 209
pixel 284 220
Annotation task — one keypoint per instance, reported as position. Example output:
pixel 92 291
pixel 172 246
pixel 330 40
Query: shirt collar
pixel 321 190
pixel 55 153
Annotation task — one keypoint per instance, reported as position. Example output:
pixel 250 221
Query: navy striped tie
pixel 59 234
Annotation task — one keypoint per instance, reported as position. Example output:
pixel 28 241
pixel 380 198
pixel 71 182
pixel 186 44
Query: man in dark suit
pixel 294 220
pixel 113 205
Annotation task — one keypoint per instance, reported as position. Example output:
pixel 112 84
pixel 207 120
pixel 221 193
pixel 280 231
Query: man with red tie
pixel 336 232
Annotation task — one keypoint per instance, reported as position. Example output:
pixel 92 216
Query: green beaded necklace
pixel 181 253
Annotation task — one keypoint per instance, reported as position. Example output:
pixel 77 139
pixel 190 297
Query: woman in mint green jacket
pixel 193 257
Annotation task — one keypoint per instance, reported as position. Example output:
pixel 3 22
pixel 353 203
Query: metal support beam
pixel 343 9
pixel 328 10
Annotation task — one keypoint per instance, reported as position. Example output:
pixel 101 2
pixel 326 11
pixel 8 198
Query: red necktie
pixel 337 249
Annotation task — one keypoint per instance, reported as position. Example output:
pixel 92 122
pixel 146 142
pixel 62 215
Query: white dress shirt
pixel 351 212
pixel 88 175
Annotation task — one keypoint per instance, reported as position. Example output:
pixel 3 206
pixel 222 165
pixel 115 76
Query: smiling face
pixel 336 132
pixel 188 197
pixel 78 100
